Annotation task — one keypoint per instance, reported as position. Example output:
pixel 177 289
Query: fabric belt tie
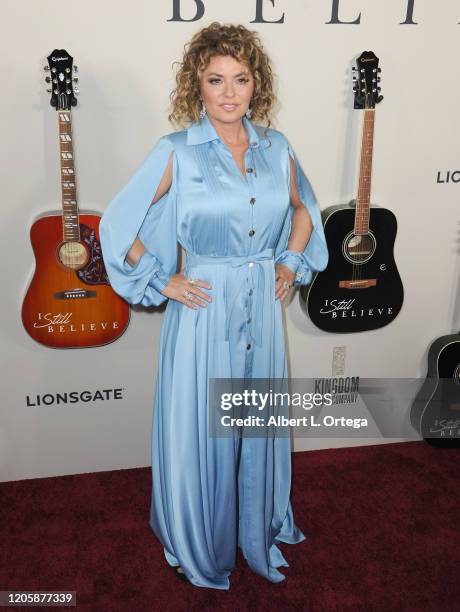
pixel 253 261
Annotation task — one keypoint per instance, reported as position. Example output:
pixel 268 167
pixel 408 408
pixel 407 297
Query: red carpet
pixel 382 526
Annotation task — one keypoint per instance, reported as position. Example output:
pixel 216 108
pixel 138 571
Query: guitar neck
pixel 365 174
pixel 70 220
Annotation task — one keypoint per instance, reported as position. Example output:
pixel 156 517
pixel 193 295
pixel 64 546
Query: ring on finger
pixel 188 295
pixel 192 281
pixel 286 285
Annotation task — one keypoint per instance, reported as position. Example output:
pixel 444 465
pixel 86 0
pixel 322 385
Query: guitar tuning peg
pixel 46 68
pixel 378 79
pixel 49 90
pixel 76 91
pixel 353 69
pixel 48 79
pixel 379 70
pixel 75 79
pixel 75 68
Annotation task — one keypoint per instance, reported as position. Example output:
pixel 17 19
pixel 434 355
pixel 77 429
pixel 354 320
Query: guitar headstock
pixel 366 80
pixel 60 70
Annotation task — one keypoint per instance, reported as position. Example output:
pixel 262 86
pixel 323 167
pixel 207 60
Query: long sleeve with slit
pixel 314 257
pixel 131 214
pixel 213 494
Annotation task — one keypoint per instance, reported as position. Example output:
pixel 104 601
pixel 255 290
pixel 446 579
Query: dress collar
pixel 204 131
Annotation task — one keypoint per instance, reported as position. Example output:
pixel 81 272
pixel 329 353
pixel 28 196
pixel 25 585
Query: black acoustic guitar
pixel 360 289
pixel 435 413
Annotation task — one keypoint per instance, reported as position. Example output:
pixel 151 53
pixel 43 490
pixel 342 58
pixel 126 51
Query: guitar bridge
pixel 74 294
pixel 362 283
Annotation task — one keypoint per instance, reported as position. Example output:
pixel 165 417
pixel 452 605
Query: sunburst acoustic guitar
pixel 69 302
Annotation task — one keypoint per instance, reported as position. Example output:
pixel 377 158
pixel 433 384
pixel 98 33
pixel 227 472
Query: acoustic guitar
pixel 69 302
pixel 435 413
pixel 360 289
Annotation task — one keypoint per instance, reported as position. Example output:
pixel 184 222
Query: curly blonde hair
pixel 222 39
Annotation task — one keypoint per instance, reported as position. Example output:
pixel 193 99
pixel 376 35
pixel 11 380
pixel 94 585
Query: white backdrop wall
pixel 125 51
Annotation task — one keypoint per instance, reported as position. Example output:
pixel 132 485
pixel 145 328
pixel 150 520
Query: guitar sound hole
pixel 73 255
pixel 358 249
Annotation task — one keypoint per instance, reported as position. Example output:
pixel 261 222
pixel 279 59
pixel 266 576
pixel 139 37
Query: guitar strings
pixel 70 247
pixel 364 239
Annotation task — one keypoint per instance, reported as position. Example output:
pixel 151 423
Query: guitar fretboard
pixel 365 175
pixel 70 222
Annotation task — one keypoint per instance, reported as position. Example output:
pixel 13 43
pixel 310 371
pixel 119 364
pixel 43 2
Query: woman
pixel 236 199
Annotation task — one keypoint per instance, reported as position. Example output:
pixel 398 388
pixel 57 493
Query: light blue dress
pixel 213 494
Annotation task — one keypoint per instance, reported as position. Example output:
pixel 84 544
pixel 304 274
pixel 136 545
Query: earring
pixel 249 113
pixel 203 109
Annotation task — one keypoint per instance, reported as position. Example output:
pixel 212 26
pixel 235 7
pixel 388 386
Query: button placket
pixel 251 174
pixel 249 306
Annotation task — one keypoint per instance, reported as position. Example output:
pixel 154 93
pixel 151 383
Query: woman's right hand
pixel 178 285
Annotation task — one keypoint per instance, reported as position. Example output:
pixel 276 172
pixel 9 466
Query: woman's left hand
pixel 283 274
